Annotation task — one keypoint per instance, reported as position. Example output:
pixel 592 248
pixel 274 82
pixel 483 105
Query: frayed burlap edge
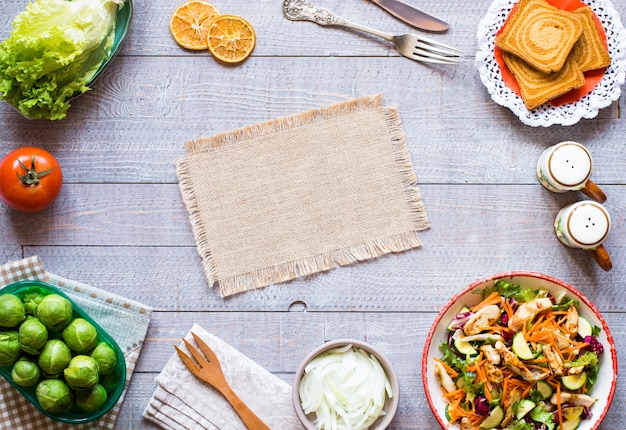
pixel 315 263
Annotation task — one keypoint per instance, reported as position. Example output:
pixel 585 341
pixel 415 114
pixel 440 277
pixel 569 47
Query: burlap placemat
pixel 302 194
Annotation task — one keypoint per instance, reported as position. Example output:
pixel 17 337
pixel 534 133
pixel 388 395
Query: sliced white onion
pixel 346 388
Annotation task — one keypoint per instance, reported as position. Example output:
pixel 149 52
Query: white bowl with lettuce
pixel 532 310
pixel 346 384
pixel 57 49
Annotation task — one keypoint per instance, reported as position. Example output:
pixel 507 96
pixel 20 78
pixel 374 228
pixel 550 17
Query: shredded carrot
pixel 453 373
pixel 558 404
pixel 491 299
pixel 455 394
pixel 527 390
pixel 480 370
pixel 494 329
pixel 472 367
pixel 507 308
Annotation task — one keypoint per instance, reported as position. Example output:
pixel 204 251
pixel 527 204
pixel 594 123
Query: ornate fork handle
pixel 302 10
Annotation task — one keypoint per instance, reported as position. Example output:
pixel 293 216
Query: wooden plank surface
pixel 120 223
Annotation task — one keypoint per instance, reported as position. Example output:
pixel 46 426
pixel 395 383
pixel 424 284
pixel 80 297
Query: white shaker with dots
pixel 585 225
pixel 567 167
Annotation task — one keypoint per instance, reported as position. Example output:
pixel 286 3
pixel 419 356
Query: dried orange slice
pixel 190 23
pixel 231 39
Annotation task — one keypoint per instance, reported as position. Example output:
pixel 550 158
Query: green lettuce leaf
pixel 54 50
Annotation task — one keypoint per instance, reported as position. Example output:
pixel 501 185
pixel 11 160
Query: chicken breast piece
pixel 466 424
pixel 571 323
pixel 490 354
pixel 527 311
pixel 515 364
pixel 514 397
pixel 494 374
pixel 555 362
pixel 577 399
pixel 481 320
pixel 444 379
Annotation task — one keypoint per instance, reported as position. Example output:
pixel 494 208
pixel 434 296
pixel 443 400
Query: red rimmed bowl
pixel 604 388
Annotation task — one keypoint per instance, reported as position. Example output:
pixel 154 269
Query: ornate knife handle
pixel 302 10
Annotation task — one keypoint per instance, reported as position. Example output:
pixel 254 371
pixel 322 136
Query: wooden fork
pixel 209 370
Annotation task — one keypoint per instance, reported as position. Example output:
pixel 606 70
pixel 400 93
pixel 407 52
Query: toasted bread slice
pixel 537 87
pixel 590 51
pixel 540 34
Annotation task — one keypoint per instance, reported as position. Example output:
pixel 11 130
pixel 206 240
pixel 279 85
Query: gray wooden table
pixel 120 223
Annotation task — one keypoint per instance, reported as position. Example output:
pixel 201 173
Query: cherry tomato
pixel 30 179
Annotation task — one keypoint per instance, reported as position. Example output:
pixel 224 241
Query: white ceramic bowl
pixel 604 388
pixel 391 406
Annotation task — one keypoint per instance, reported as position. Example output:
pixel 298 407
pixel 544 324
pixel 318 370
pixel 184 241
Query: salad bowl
pixel 391 403
pixel 604 388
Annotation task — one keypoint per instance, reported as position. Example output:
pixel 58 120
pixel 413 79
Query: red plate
pixel 592 77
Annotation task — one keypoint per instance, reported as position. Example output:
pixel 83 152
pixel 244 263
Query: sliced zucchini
pixel 494 419
pixel 523 407
pixel 584 327
pixel 574 382
pixel 460 382
pixel 573 412
pixel 520 347
pixel 544 389
pixel 570 424
pixel 464 347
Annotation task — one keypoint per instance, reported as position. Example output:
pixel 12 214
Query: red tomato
pixel 30 179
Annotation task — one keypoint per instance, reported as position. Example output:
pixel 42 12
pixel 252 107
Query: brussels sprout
pixel 32 335
pixel 25 372
pixel 109 382
pixel 54 357
pixel 91 400
pixel 55 312
pixel 81 373
pixel 80 335
pixel 12 311
pixel 106 357
pixel 10 349
pixel 32 299
pixel 54 396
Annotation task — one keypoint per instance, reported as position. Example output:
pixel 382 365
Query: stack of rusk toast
pixel 548 49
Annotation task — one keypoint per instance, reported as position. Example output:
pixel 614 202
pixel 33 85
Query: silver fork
pixel 410 45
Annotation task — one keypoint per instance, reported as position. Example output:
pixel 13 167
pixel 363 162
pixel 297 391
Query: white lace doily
pixel 607 91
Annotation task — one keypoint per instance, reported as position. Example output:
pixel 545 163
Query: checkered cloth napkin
pixel 125 320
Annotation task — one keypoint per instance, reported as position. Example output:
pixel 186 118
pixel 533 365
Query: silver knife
pixel 411 15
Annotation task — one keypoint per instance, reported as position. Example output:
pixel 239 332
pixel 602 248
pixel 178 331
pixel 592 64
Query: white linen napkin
pixel 183 402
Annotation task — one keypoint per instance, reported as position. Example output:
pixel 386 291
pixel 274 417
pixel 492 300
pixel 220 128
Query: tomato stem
pixel 32 176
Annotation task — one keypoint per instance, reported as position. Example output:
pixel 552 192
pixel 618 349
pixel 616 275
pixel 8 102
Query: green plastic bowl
pixel 74 415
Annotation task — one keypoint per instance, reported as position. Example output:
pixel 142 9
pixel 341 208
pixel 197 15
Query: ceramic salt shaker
pixel 566 166
pixel 585 225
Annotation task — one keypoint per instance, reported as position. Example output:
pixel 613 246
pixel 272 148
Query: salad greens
pixel 54 50
pixel 521 359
